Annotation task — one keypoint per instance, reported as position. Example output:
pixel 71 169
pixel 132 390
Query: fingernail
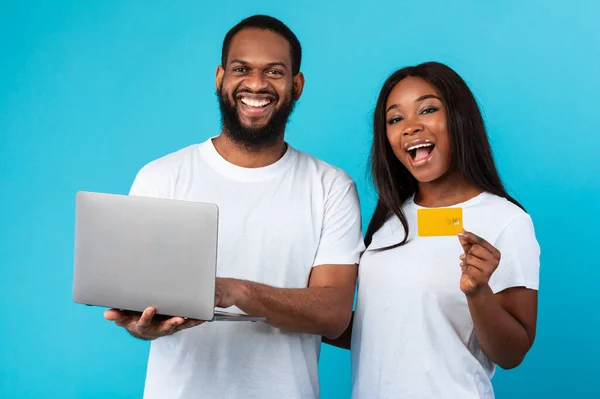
pixel 461 257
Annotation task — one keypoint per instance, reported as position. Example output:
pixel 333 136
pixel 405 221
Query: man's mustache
pixel 247 91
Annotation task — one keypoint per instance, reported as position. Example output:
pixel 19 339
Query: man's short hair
pixel 265 22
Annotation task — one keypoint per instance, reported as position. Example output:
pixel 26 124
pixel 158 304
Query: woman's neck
pixel 446 191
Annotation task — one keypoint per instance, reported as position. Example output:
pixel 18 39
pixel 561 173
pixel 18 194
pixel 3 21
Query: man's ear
pixel 298 82
pixel 220 74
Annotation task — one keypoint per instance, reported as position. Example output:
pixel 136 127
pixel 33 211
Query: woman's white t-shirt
pixel 413 335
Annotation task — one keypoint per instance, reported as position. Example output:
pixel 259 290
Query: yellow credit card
pixel 434 222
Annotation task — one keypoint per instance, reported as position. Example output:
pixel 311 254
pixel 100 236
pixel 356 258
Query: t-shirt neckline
pixel 471 201
pixel 235 172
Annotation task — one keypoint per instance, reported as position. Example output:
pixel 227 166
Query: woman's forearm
pixel 502 337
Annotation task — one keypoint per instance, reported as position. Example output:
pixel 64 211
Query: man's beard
pixel 255 138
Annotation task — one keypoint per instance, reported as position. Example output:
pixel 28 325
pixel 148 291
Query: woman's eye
pixel 429 110
pixel 393 120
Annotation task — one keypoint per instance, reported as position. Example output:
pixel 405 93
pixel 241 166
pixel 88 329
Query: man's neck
pixel 247 157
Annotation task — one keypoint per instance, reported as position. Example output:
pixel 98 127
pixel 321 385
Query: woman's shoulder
pixel 495 214
pixel 500 206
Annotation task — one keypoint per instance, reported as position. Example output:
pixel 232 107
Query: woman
pixel 435 314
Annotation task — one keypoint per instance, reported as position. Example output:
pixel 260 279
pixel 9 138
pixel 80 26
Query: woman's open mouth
pixel 420 154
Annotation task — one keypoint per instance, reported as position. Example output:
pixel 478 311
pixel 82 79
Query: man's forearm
pixel 502 337
pixel 317 310
pixel 344 341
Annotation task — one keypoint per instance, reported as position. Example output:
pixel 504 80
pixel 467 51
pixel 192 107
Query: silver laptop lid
pixel 134 252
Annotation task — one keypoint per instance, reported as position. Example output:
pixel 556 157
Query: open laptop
pixel 134 252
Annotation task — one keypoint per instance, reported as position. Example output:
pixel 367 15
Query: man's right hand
pixel 145 326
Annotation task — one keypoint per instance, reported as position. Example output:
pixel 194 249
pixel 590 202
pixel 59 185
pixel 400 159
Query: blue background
pixel 91 91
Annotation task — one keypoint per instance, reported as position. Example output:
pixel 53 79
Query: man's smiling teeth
pixel 251 102
pixel 414 147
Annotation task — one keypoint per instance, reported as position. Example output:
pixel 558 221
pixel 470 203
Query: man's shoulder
pixel 171 162
pixel 329 174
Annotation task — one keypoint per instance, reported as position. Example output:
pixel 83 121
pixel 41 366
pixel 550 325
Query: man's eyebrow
pixel 238 61
pixel 270 64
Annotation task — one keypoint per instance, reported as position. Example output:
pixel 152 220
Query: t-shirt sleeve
pixel 520 256
pixel 341 239
pixel 151 181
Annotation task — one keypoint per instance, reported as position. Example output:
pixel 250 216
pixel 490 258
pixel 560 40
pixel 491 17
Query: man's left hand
pixel 229 292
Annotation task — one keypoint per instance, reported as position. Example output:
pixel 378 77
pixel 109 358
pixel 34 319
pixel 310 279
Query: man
pixel 289 237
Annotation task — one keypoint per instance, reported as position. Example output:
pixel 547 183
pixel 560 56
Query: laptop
pixel 135 252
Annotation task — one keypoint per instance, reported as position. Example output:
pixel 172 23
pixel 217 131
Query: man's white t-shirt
pixel 275 224
pixel 413 335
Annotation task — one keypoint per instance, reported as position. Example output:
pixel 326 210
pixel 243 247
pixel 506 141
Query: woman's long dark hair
pixel 471 154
